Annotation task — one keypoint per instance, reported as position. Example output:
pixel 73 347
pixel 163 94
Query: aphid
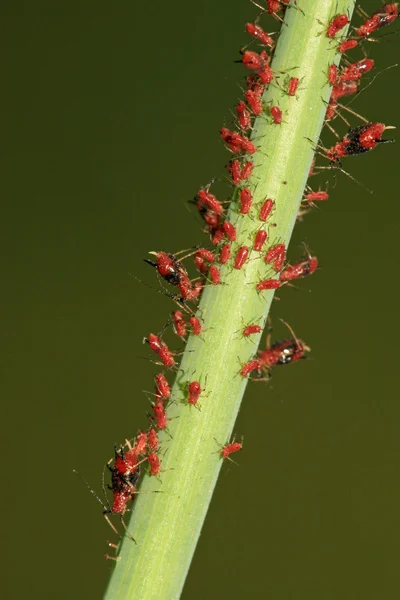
pixel 260 239
pixel 225 254
pixel 210 200
pixel 344 88
pixel 259 33
pixel 247 170
pixel 194 389
pixel 211 218
pixel 153 439
pixel 235 171
pixel 230 448
pixel 283 352
pixel 356 70
pixel 255 85
pixel 254 102
pixel 268 284
pixel 163 391
pixel 201 264
pixel 382 17
pixel 347 45
pixel 276 256
pixel 140 444
pixel 266 209
pixel 249 367
pixel 336 25
pixel 293 85
pixel 253 61
pixel 205 254
pixel 357 141
pixel 215 275
pixel 246 200
pixel 236 142
pixel 301 269
pixel 154 463
pixel 315 196
pixel 170 269
pixel 251 329
pixel 332 74
pixel 161 349
pixel 244 116
pixel 160 415
pixel 276 114
pixel 241 257
pixel 266 74
pixel 179 323
pixel 218 236
pixel 196 325
pixel 230 230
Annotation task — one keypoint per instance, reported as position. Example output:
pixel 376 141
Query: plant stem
pixel 167 525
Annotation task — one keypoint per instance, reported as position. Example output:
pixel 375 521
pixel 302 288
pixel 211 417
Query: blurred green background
pixel 110 119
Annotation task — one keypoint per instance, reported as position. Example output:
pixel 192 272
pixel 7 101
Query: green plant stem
pixel 167 525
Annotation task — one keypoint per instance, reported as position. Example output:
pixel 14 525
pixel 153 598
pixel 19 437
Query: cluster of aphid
pixel 222 233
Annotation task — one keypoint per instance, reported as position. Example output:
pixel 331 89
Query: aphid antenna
pixel 294 335
pixel 361 91
pixel 106 507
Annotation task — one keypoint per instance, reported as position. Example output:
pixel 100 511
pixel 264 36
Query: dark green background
pixel 110 119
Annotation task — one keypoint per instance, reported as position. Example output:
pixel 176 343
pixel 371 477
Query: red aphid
pixel 218 236
pixel 124 476
pixel 344 88
pixel 205 254
pixel 332 74
pixel 347 45
pixel 154 463
pixel 299 270
pixel 247 170
pixel 260 239
pixel 276 114
pixel 251 330
pixel 170 269
pixel 153 439
pixel 160 415
pixel 266 75
pixel 382 17
pixel 235 171
pixel 356 70
pixel 253 61
pixel 316 196
pixel 236 142
pixel 210 200
pixel 241 257
pixel 246 200
pixel 259 33
pixel 254 102
pixel 266 209
pixel 336 25
pixel 255 85
pixel 215 275
pixel 244 116
pixel 230 448
pixel 283 353
pixel 163 391
pixel 293 85
pixel 140 443
pixel 229 230
pixel 357 141
pixel 179 323
pixel 276 256
pixel 225 254
pixel 161 349
pixel 200 264
pixel 195 390
pixel 196 325
pixel 268 284
pixel 249 367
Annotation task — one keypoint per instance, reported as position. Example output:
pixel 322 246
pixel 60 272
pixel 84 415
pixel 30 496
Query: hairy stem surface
pixel 167 525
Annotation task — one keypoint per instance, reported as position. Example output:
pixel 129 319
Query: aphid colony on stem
pixel 226 253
